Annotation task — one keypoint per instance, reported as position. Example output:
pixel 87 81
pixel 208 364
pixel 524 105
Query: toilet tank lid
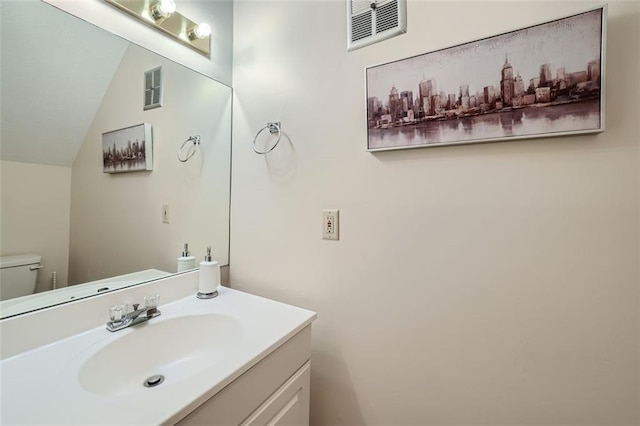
pixel 19 260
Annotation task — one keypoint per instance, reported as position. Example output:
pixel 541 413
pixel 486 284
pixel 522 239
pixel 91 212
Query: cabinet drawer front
pixel 289 405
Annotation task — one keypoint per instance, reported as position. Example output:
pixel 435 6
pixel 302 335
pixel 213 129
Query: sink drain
pixel 154 381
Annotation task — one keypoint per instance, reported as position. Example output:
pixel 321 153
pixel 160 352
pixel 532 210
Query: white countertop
pixel 41 386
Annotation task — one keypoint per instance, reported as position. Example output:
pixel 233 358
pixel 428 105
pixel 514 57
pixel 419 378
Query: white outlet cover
pixel 330 224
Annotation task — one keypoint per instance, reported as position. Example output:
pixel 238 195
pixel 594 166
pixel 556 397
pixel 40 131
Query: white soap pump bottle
pixel 209 278
pixel 186 261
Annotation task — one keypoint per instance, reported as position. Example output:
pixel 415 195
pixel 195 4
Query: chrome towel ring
pixel 273 127
pixel 191 151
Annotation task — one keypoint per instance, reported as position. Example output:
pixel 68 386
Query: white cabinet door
pixel 289 405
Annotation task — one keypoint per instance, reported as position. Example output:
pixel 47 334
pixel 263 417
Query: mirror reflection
pixel 69 225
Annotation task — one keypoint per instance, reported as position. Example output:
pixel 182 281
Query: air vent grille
pixel 359 6
pixel 153 88
pixel 387 17
pixel 371 21
pixel 362 26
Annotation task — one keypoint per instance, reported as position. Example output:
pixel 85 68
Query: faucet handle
pixel 135 306
pixel 151 301
pixel 117 312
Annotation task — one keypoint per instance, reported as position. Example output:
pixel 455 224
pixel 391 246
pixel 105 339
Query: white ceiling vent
pixel 371 21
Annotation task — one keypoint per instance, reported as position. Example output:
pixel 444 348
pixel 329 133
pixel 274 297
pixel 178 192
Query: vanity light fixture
pixel 162 15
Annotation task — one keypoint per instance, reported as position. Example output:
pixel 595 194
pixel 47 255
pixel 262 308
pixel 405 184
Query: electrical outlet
pixel 165 213
pixel 330 224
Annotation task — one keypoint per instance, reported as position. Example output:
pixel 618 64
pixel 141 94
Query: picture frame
pixel 129 149
pixel 539 81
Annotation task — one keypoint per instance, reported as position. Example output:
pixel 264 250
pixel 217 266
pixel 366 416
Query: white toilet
pixel 18 275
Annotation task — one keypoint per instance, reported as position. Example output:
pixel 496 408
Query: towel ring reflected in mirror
pixel 274 128
pixel 191 148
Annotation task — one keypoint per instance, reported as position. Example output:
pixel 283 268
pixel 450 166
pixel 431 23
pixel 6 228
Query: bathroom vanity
pixel 234 359
pixel 272 392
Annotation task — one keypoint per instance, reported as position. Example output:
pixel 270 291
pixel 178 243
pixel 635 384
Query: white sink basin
pixel 97 377
pixel 172 347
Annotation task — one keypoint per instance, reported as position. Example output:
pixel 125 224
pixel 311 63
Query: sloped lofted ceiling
pixel 55 70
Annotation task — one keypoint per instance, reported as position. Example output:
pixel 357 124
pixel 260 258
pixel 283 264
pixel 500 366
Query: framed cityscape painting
pixel 540 81
pixel 127 150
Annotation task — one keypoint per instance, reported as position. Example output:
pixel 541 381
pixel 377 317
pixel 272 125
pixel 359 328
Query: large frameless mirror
pixel 66 83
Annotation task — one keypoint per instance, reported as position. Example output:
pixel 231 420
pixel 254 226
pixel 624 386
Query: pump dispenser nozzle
pixel 207 258
pixel 185 252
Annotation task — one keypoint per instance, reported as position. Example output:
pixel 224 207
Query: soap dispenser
pixel 186 261
pixel 209 278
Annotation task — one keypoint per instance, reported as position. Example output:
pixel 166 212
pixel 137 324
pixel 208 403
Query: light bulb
pixel 203 30
pixel 163 9
pixel 200 31
pixel 167 6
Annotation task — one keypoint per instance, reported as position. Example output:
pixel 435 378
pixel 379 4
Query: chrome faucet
pixel 120 319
